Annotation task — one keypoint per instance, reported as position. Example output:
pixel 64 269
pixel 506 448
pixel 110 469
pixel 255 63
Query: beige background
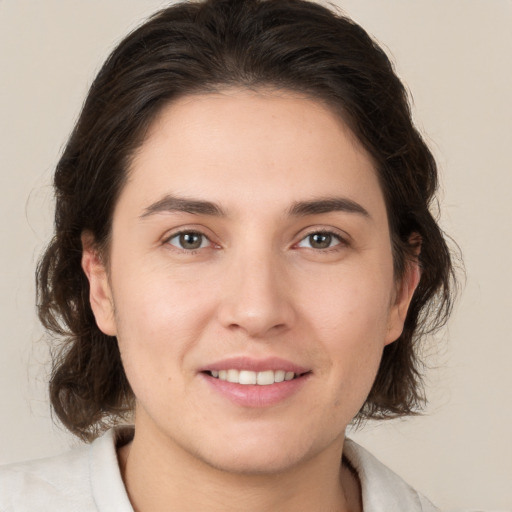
pixel 455 55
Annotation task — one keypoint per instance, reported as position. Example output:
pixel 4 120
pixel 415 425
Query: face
pixel 250 280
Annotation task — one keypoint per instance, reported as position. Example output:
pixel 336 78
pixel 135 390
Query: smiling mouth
pixel 247 377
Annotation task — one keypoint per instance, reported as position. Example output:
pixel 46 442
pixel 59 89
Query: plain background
pixel 455 56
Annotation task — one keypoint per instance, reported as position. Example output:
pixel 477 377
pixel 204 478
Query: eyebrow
pixel 171 204
pixel 327 205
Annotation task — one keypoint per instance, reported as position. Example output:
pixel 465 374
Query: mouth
pixel 249 377
pixel 256 383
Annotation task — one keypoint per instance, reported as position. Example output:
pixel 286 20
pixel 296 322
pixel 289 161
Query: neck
pixel 158 475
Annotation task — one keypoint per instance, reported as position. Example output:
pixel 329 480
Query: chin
pixel 254 461
pixel 255 453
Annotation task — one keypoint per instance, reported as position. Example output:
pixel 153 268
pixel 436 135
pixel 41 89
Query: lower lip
pixel 247 395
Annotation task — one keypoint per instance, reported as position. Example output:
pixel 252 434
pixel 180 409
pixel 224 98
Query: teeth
pixel 247 377
pixel 264 378
pixel 279 376
pixel 233 375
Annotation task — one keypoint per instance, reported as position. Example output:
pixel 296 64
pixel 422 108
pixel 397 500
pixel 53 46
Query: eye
pixel 320 240
pixel 189 240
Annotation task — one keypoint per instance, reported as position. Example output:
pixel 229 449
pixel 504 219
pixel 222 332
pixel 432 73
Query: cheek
pixel 157 303
pixel 352 309
pixel 158 323
pixel 350 323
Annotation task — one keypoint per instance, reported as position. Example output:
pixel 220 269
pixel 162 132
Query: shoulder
pixel 76 481
pixel 382 489
pixel 46 484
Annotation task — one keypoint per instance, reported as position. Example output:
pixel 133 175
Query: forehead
pixel 239 146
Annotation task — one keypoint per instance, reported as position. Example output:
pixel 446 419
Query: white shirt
pixel 88 479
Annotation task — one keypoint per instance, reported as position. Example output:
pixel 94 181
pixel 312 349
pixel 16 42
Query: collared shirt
pixel 88 479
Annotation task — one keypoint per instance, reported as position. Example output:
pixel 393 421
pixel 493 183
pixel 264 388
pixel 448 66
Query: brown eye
pixel 320 240
pixel 189 240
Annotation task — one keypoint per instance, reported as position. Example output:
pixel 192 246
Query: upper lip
pixel 255 365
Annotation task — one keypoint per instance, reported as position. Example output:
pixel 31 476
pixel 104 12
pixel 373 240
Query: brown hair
pixel 202 46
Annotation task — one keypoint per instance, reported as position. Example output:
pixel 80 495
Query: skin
pixel 257 287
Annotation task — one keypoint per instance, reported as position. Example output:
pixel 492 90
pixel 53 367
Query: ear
pixel 405 290
pixel 100 293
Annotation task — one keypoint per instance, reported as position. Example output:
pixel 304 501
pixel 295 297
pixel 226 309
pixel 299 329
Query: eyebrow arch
pixel 170 203
pixel 327 205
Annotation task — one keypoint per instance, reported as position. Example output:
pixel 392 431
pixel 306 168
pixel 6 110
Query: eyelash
pixel 341 242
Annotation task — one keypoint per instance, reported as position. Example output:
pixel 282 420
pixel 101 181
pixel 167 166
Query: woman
pixel 244 262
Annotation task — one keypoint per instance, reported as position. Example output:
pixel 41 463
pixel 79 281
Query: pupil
pixel 190 240
pixel 320 240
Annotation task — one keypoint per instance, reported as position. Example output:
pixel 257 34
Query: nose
pixel 256 296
